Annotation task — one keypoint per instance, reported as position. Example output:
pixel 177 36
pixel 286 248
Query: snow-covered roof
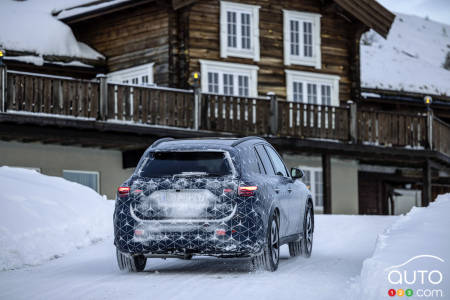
pixel 411 59
pixel 28 26
pixel 88 7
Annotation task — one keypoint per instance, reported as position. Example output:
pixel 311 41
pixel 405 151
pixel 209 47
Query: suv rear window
pixel 173 163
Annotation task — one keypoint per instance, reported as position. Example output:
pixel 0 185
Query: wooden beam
pixel 326 181
pixel 426 189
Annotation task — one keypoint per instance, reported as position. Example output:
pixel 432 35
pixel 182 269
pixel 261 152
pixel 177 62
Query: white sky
pixel 437 10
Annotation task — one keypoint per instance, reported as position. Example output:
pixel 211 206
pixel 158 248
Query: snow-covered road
pixel 341 244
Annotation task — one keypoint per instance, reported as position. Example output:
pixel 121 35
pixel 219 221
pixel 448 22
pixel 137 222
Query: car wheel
pixel 270 256
pixel 308 231
pixel 135 263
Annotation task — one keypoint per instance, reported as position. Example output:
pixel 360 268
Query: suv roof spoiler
pixel 157 142
pixel 247 138
pixel 235 143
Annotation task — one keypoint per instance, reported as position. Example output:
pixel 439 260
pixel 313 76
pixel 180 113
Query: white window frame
pixel 312 187
pixel 86 172
pixel 229 68
pixel 314 78
pixel 289 59
pixel 238 8
pixel 134 72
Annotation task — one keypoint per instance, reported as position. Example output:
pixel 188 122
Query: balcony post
pixel 197 110
pixel 427 100
pixel 430 128
pixel 353 122
pixel 273 113
pixel 103 105
pixel 3 81
pixel 426 190
pixel 326 180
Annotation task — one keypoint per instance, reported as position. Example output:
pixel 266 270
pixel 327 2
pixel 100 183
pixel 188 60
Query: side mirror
pixel 296 173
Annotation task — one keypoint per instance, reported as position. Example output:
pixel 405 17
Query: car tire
pixel 135 263
pixel 308 231
pixel 270 256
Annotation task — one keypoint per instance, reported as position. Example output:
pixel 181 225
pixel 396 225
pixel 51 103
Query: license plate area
pixel 181 204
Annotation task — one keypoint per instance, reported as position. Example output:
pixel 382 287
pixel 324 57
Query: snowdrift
pixel 419 241
pixel 44 217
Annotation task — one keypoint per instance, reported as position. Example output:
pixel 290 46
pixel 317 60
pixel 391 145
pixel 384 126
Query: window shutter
pixel 223 31
pixel 317 42
pixel 287 37
pixel 254 22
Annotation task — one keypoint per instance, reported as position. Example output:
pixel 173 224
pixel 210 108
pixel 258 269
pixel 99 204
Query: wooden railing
pixel 392 128
pixel 242 115
pixel 52 95
pixel 156 106
pixel 313 121
pixel 97 99
pixel 441 136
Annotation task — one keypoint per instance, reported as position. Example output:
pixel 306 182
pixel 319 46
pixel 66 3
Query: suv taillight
pixel 123 191
pixel 247 191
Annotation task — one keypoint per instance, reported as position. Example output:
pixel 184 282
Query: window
pixel 260 164
pixel 277 162
pixel 313 180
pixel 302 38
pixel 265 159
pixel 239 30
pixel 229 78
pixel 312 88
pixel 140 75
pixel 173 163
pixel 90 179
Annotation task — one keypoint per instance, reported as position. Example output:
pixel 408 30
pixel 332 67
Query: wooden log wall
pixel 131 37
pixel 337 39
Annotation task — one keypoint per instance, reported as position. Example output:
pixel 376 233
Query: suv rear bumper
pixel 239 235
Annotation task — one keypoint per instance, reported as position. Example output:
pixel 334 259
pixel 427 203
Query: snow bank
pixel 419 241
pixel 29 26
pixel 43 217
pixel 410 59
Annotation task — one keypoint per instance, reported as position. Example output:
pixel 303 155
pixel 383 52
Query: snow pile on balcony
pixel 43 217
pixel 29 26
pixel 419 241
pixel 410 59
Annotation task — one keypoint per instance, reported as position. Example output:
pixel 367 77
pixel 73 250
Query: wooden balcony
pixel 156 107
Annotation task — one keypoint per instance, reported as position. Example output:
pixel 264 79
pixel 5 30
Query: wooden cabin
pixel 271 46
pixel 284 70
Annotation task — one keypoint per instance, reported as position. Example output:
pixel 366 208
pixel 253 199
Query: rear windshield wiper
pixel 188 174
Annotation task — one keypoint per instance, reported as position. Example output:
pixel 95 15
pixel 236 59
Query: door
pixel 370 189
pixel 278 188
pixel 285 187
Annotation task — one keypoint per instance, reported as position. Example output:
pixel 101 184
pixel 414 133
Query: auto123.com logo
pixel 421 280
